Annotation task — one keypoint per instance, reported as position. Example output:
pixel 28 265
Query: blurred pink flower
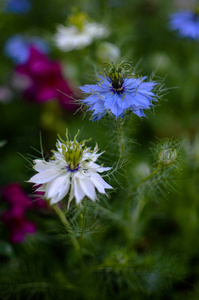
pixel 38 201
pixel 17 224
pixel 14 218
pixel 15 195
pixel 47 81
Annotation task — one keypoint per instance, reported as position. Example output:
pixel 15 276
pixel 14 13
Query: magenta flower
pixel 15 196
pixel 47 81
pixel 38 200
pixel 14 218
pixel 17 224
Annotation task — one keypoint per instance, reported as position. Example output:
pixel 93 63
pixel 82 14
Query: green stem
pixel 65 222
pixel 141 202
pixel 121 144
pixel 145 179
pixel 121 139
pixel 137 211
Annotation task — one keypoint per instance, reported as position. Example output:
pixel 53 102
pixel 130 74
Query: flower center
pixel 115 76
pixel 78 19
pixel 72 170
pixel 72 152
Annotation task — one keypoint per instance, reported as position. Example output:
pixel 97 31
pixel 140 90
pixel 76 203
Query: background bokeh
pixel 164 261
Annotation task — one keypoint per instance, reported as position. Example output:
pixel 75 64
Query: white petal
pixel 103 169
pixel 99 182
pixel 41 165
pixel 63 192
pixel 45 176
pixel 41 188
pixel 56 186
pixel 78 191
pixel 98 185
pixel 88 188
pixel 97 167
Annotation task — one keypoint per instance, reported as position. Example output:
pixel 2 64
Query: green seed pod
pixel 167 157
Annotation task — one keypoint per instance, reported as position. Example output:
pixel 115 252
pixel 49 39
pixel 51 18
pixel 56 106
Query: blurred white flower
pixel 107 51
pixel 20 81
pixel 2 143
pixel 6 94
pixel 80 34
pixel 192 149
pixel 72 169
pixel 142 170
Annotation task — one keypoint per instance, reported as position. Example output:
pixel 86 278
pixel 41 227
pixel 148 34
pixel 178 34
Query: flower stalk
pixel 146 178
pixel 66 224
pixel 121 138
pixel 122 151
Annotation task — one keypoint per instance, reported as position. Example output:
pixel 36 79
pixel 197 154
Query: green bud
pixel 167 157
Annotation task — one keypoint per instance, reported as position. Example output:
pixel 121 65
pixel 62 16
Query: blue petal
pixel 110 100
pixel 116 110
pixel 89 88
pixel 18 6
pixel 139 113
pixel 102 87
pixel 186 22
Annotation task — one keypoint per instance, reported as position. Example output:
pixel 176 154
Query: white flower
pixel 70 38
pixel 71 170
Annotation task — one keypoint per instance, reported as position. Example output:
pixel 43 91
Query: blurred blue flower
pixel 116 94
pixel 18 6
pixel 186 23
pixel 18 48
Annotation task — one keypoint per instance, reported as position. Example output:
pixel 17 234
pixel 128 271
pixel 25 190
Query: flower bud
pixel 167 157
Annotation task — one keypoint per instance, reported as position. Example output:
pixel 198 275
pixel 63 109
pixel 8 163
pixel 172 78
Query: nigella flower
pixel 18 47
pixel 186 23
pixel 18 6
pixel 79 34
pixel 116 93
pixel 71 170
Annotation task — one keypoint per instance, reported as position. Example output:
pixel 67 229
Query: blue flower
pixel 18 6
pixel 116 93
pixel 186 23
pixel 18 48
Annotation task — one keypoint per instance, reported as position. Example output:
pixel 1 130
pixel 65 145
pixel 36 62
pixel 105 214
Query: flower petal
pixel 88 188
pixel 41 165
pixel 99 182
pixel 45 176
pixel 78 191
pixel 58 187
